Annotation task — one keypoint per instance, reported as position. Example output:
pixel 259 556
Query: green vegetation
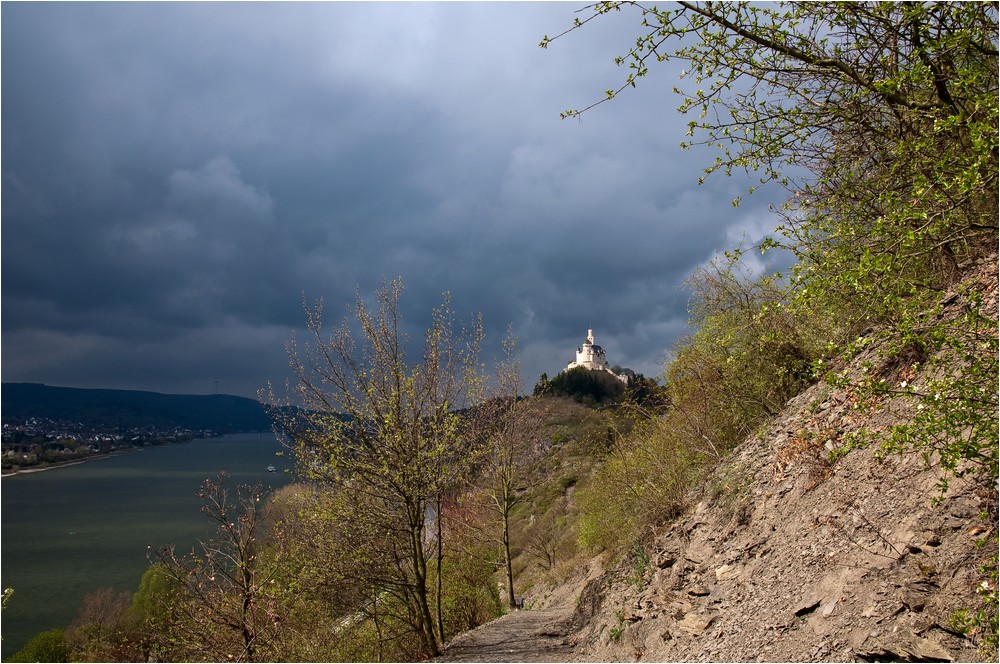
pixel 49 646
pixel 424 484
pixel 585 386
pixel 224 589
pixel 390 436
pixel 563 446
pixel 499 475
pixel 880 118
pixel 600 388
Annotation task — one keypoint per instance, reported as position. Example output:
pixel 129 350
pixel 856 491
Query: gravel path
pixel 540 635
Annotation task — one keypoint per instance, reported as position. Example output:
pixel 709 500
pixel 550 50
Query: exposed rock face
pixel 792 558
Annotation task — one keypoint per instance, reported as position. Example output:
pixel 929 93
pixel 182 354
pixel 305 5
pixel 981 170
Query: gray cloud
pixel 176 176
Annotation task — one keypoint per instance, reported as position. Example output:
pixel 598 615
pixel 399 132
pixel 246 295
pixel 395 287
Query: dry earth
pixel 784 557
pixel 547 633
pixel 522 636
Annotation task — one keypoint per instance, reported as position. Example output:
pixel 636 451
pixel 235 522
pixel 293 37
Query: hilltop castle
pixel 591 356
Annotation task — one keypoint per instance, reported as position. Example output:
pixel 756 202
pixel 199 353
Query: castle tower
pixel 589 355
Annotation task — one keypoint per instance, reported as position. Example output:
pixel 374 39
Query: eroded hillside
pixel 788 556
pixel 789 553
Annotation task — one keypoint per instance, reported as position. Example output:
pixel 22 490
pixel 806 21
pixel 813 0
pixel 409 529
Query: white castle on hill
pixel 591 356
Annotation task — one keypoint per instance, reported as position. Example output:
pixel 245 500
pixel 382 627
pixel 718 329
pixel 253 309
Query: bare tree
pixel 98 633
pixel 226 607
pixel 509 424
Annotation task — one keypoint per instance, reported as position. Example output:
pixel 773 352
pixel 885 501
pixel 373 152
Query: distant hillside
pixel 130 409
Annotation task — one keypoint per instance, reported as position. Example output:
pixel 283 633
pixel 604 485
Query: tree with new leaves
pixel 389 433
pixel 588 386
pixel 881 119
pixel 100 631
pixel 330 611
pixel 746 357
pixel 887 113
pixel 889 109
pixel 49 646
pixel 151 614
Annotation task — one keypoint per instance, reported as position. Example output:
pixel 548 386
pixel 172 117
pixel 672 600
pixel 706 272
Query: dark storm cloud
pixel 176 176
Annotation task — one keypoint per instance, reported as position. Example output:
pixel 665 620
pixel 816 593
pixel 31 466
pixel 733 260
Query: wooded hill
pixel 128 409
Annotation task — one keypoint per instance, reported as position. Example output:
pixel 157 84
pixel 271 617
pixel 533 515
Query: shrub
pixel 470 595
pixel 749 355
pixel 48 646
pixel 642 483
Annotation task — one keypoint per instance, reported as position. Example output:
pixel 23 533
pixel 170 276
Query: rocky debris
pixel 848 561
pixel 728 573
pixel 807 607
pixel 696 623
pixel 915 650
pixel 808 578
pixel 818 587
pixel 852 560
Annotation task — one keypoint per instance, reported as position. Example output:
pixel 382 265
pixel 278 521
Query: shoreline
pixel 67 464
pixel 97 457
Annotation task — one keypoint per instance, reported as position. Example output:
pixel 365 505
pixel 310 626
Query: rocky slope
pixel 789 557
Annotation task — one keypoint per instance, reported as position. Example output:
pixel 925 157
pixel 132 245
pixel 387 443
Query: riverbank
pixel 52 465
pixel 91 525
pixel 10 472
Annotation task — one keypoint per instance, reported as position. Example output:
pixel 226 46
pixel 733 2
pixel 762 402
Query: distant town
pixel 40 442
pixel 45 425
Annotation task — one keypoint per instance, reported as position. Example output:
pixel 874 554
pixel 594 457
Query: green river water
pixel 67 531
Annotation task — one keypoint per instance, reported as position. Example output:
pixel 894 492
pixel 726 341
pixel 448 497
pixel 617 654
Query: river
pixel 67 531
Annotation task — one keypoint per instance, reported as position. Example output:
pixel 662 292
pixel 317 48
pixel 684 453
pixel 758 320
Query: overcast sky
pixel 176 176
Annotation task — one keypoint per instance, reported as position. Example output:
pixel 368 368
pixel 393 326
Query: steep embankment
pixel 785 556
pixel 788 557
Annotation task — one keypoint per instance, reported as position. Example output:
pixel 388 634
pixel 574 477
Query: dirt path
pixel 548 633
pixel 542 635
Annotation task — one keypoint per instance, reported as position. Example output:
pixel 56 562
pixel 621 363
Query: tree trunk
pixel 246 579
pixel 511 601
pixel 378 628
pixel 419 561
pixel 427 623
pixel 440 615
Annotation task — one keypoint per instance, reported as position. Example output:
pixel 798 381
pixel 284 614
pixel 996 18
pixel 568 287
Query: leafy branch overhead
pixel 775 85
